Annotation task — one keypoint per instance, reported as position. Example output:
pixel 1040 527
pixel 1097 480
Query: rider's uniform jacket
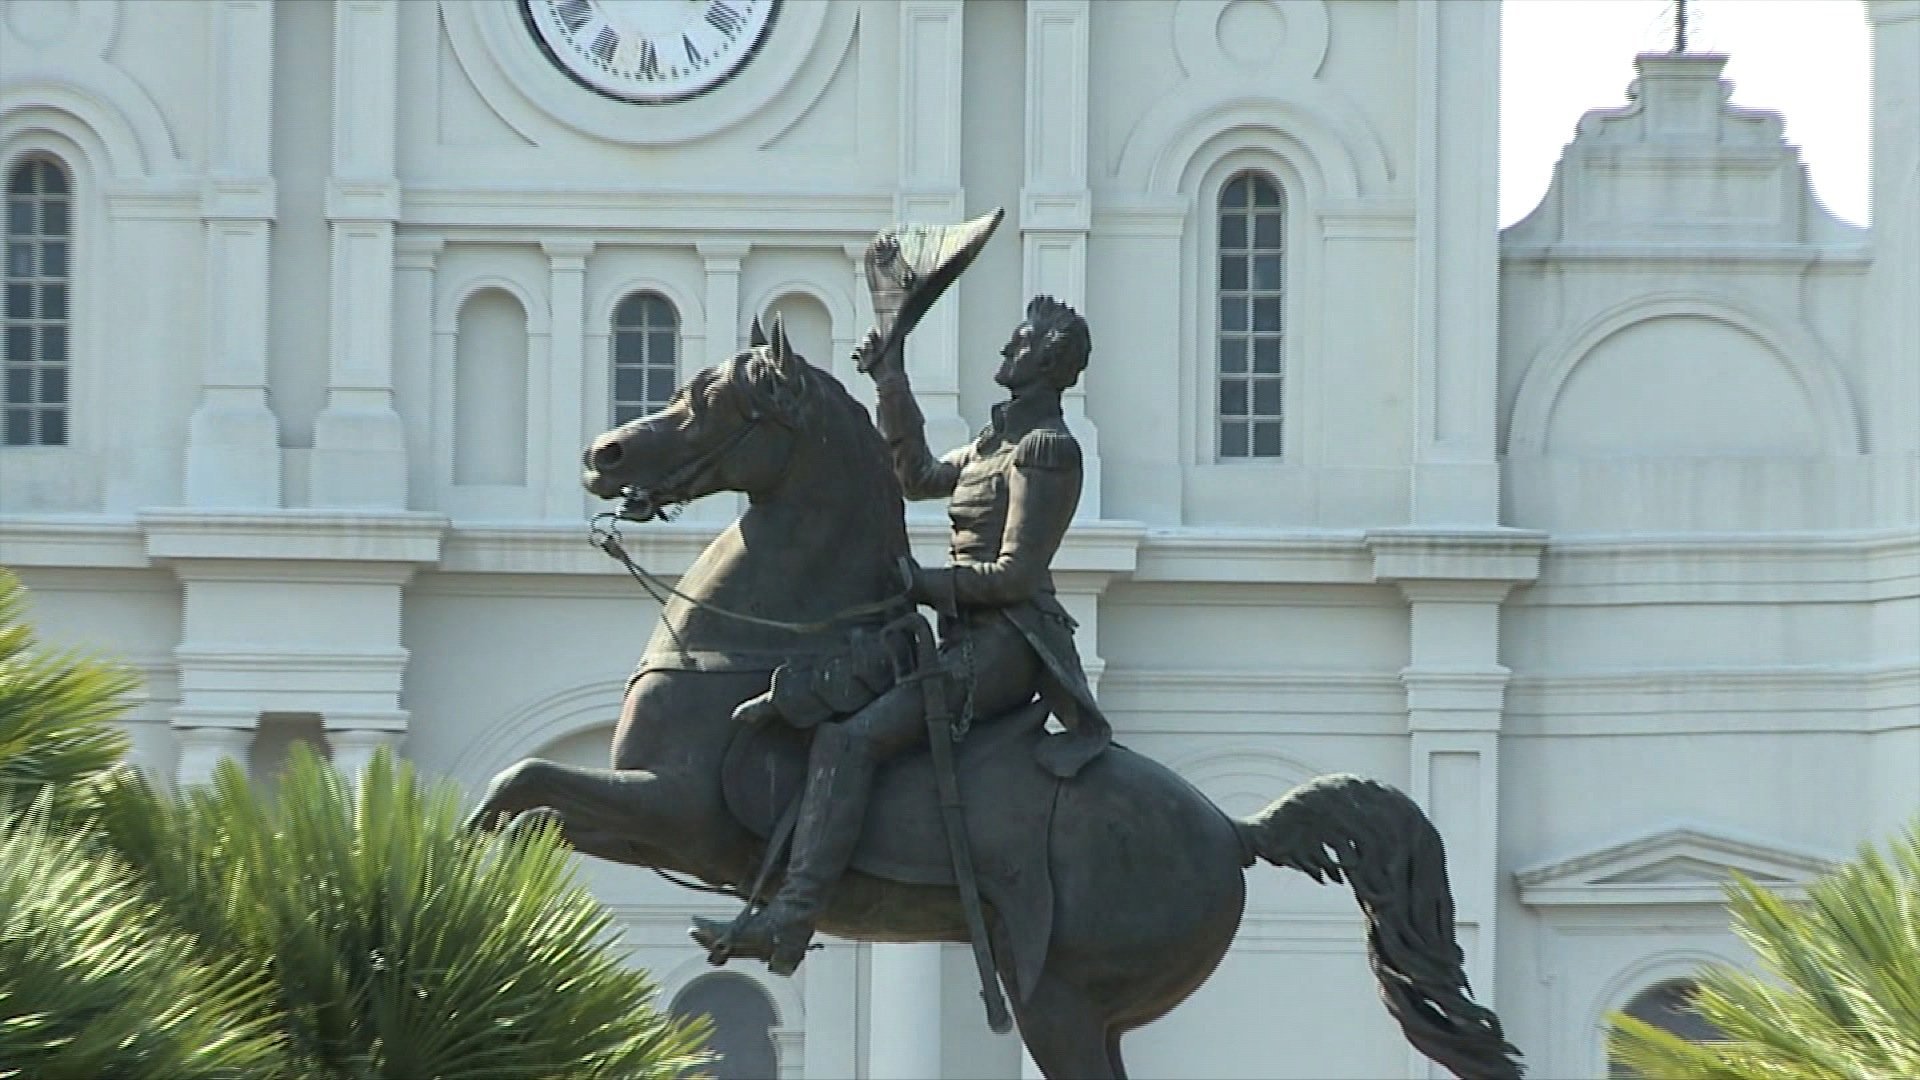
pixel 1011 495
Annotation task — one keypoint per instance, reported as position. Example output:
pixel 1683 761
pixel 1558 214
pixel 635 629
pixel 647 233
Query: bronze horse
pixel 1140 875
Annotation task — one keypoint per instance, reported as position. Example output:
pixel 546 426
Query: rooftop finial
pixel 1679 26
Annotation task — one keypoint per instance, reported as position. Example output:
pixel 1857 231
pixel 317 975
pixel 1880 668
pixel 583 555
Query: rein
pixel 607 538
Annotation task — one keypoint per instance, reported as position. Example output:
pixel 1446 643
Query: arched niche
pixel 490 390
pixel 1682 374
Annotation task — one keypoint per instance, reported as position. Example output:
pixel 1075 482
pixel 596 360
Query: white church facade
pixel 1600 537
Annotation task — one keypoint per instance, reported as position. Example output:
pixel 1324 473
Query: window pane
pixel 1267 232
pixel 19 386
pixel 53 343
pixel 1266 314
pixel 1233 272
pixel 19 427
pixel 19 260
pixel 630 312
pixel 1235 193
pixel 1266 397
pixel 1265 192
pixel 660 313
pixel 629 384
pixel 660 348
pixel 53 258
pixel 1266 355
pixel 53 301
pixel 1233 439
pixel 19 301
pixel 1233 231
pixel 19 344
pixel 53 217
pixel 1233 397
pixel 53 427
pixel 1266 273
pixel 22 182
pixel 1266 438
pixel 20 217
pixel 1233 313
pixel 1233 356
pixel 659 387
pixel 52 180
pixel 626 348
pixel 625 413
pixel 53 385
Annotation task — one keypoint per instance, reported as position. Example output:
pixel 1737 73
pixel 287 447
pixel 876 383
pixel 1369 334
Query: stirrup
pixel 750 936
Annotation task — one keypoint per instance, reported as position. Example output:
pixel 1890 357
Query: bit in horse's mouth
pixel 639 504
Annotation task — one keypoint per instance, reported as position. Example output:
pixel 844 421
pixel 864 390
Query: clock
pixel 649 51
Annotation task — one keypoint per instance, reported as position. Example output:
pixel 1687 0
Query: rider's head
pixel 1062 335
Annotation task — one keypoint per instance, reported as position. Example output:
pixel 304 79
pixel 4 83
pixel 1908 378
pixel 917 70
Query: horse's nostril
pixel 605 455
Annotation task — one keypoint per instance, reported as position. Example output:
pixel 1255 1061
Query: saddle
pixel 1008 802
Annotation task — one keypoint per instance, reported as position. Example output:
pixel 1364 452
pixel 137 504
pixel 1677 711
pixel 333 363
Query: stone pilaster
pixel 904 1021
pixel 1456 475
pixel 569 424
pixel 1454 583
pixel 415 260
pixel 359 447
pixel 355 738
pixel 929 192
pixel 205 738
pixel 233 437
pixel 1055 203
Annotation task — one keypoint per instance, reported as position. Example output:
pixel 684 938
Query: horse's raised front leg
pixel 629 816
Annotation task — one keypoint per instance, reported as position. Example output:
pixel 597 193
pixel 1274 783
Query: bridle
pixel 646 504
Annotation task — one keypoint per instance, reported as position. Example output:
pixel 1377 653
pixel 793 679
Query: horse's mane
pixel 821 403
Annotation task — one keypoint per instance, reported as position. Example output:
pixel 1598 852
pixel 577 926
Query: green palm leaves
pixel 1841 998
pixel 330 930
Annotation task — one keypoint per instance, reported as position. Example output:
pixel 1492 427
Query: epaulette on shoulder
pixel 1047 448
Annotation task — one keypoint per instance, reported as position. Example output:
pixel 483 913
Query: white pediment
pixel 1681 865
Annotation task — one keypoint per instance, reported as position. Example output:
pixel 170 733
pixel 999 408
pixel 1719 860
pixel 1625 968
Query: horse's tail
pixel 1391 855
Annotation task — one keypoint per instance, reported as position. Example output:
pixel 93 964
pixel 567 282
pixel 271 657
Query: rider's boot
pixel 831 812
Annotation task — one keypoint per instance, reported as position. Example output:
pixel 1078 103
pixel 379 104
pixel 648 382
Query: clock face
pixel 650 51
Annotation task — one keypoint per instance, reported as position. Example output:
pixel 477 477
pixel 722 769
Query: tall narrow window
pixel 646 355
pixel 37 319
pixel 1251 327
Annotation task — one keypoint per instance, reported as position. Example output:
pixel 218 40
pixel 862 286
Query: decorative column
pixel 929 192
pixel 568 423
pixel 1454 583
pixel 903 1024
pixel 233 438
pixel 1055 203
pixel 1456 265
pixel 359 447
pixel 857 384
pixel 415 258
pixel 205 738
pixel 722 260
pixel 354 739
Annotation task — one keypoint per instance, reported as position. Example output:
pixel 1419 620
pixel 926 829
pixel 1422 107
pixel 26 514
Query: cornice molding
pixel 1683 864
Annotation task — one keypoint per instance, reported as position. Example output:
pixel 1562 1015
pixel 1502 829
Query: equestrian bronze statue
pixel 794 697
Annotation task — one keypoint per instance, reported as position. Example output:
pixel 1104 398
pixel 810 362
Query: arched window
pixel 39 269
pixel 646 355
pixel 1669 1007
pixel 1250 327
pixel 743 1022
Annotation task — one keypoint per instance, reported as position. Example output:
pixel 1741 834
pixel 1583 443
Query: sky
pixel 1806 59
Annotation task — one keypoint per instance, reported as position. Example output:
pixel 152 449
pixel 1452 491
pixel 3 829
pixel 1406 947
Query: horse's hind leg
pixel 1066 1035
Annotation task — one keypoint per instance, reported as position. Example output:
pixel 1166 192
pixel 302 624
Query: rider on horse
pixel 1004 636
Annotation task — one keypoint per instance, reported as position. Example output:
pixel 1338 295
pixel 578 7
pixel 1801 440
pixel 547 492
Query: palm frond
pixel 56 709
pixel 399 943
pixel 93 983
pixel 1839 993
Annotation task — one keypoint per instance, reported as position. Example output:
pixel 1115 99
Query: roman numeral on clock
pixel 725 18
pixel 693 54
pixel 604 44
pixel 574 13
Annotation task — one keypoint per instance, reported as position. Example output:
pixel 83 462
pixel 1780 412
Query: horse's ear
pixel 756 337
pixel 782 348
